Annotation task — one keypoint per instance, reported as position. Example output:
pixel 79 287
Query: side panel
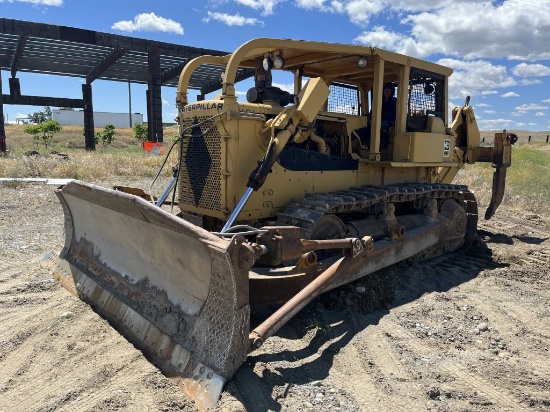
pixel 422 148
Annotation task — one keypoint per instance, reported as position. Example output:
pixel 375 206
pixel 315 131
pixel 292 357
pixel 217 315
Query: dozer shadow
pixel 336 317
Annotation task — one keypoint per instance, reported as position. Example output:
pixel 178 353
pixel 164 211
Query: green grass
pixel 530 174
pixel 527 179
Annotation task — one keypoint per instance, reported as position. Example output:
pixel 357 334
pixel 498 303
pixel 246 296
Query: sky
pixel 499 50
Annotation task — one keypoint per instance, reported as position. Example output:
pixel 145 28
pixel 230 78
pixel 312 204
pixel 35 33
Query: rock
pixel 360 289
pixel 434 393
pixel 476 331
pixel 482 327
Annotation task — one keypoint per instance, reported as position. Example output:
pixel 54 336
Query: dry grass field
pixel 528 180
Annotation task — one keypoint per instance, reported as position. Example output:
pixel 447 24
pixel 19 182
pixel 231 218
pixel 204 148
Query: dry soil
pixel 463 332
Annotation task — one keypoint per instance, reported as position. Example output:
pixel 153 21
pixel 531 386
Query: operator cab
pixel 377 110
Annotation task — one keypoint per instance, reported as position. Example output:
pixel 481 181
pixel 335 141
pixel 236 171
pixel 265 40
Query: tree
pixel 41 117
pixel 43 132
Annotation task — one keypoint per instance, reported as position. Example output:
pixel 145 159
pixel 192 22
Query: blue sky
pixel 499 50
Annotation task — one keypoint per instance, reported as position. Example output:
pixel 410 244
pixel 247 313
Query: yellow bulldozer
pixel 293 192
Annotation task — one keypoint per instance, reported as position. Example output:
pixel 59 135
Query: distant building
pixel 101 119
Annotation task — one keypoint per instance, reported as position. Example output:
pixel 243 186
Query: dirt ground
pixel 463 332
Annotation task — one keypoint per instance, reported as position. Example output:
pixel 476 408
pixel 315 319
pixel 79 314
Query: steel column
pixel 89 137
pixel 154 98
pixel 2 129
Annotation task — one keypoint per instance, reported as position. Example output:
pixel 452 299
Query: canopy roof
pixel 68 51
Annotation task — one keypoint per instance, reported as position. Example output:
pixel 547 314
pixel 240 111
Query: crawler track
pixel 306 211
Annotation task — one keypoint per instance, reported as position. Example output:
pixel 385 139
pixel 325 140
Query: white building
pixel 101 119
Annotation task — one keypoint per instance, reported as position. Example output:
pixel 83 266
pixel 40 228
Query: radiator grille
pixel 200 176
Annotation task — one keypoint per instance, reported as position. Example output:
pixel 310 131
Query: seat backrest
pixel 435 125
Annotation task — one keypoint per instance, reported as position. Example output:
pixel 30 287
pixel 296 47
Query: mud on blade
pixel 175 290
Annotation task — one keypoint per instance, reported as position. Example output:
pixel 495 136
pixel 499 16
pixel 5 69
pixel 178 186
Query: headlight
pixel 278 62
pixel 267 63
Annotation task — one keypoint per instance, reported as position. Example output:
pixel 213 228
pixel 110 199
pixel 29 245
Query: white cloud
pixel 265 5
pixel 419 5
pixel 286 87
pixel 531 70
pixel 530 82
pixel 359 12
pixel 531 106
pixel 509 94
pixel 320 5
pixel 476 77
pixel 546 101
pixel 148 22
pixel 483 105
pixel 232 19
pixel 517 30
pixel 489 111
pixel 540 114
pixel 381 38
pixel 54 3
pixel 496 124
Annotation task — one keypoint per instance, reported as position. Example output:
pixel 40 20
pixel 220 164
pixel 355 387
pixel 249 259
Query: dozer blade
pixel 176 291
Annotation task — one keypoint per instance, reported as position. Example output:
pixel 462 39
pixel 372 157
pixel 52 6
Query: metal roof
pixel 68 51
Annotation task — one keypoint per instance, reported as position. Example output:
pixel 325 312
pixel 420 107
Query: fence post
pixel 529 139
pixel 546 138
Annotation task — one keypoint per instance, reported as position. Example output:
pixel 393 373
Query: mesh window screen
pixel 426 97
pixel 343 98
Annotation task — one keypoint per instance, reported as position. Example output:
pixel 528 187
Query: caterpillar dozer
pixel 279 198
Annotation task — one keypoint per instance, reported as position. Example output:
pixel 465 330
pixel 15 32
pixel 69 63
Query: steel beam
pixel 172 73
pixel 18 53
pixel 42 101
pixel 104 64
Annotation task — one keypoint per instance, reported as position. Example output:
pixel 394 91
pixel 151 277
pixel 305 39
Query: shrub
pixel 140 132
pixel 107 137
pixel 43 132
